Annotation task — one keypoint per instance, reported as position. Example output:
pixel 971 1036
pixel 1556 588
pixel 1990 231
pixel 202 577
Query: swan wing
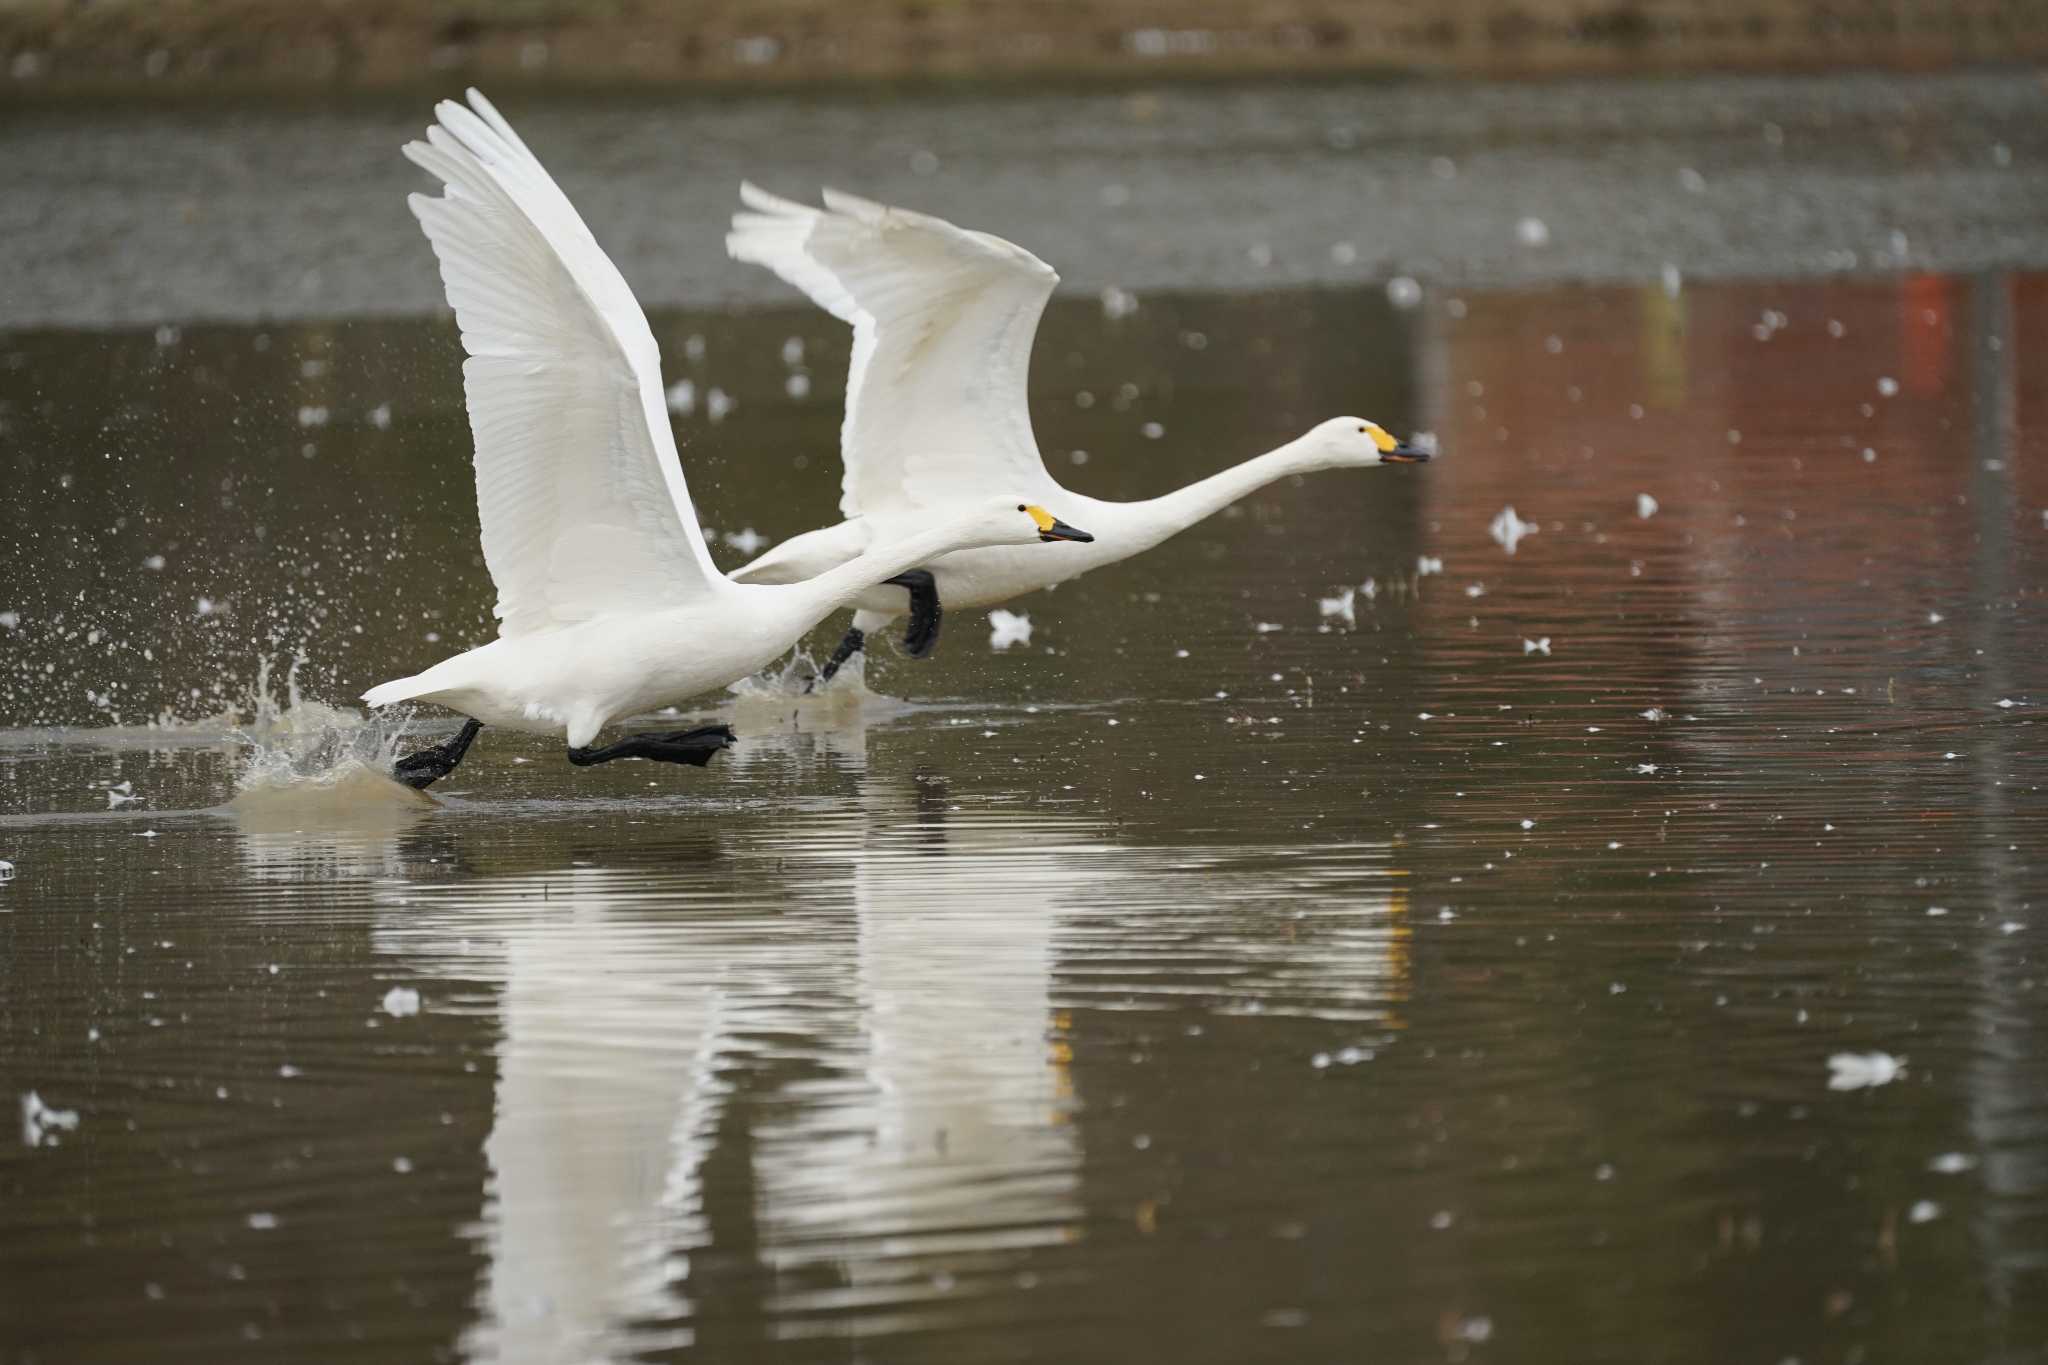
pixel 943 318
pixel 578 484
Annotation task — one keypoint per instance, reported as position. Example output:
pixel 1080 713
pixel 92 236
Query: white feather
pixel 943 318
pixel 579 488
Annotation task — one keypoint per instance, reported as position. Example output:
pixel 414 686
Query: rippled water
pixel 1211 979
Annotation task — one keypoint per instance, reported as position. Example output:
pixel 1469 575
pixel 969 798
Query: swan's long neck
pixel 1152 520
pixel 835 588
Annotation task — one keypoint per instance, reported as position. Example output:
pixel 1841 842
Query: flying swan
pixel 936 410
pixel 608 602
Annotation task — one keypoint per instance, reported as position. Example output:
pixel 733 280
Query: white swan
pixel 936 411
pixel 608 602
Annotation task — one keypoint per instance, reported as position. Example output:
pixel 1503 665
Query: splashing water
pixel 303 751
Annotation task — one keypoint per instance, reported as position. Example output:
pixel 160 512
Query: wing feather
pixel 579 488
pixel 937 401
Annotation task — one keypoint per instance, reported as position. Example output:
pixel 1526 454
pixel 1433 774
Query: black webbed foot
pixel 694 747
pixel 921 636
pixel 424 767
pixel 852 643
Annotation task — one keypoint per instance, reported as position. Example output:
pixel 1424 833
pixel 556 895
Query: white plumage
pixel 608 601
pixel 936 400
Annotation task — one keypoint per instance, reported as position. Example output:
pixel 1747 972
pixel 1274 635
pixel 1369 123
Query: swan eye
pixel 1020 507
pixel 1361 431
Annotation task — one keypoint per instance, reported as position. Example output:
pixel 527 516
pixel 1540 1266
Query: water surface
pixel 1214 978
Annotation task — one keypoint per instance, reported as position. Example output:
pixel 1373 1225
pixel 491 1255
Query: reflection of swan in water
pixel 883 1073
pixel 963 1121
pixel 821 1069
pixel 607 1095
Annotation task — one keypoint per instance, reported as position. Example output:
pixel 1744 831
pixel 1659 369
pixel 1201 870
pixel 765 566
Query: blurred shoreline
pixel 59 49
pixel 137 214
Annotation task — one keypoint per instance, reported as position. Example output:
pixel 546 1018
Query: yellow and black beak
pixel 1051 528
pixel 1405 454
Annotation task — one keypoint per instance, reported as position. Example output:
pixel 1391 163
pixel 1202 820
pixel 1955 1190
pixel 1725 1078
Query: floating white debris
pixel 1646 506
pixel 1510 530
pixel 1541 646
pixel 10 619
pixel 40 1124
pixel 263 1222
pixel 1858 1070
pixel 6 870
pixel 312 415
pixel 1477 1330
pixel 2011 926
pixel 1654 713
pixel 1925 1211
pixel 718 403
pixel 1888 386
pixel 1403 292
pixel 401 1001
pixel 682 397
pixel 1340 606
pixel 1532 232
pixel 1118 303
pixel 747 541
pixel 1936 911
pixel 1425 565
pixel 1152 431
pixel 1475 590
pixel 793 351
pixel 797 385
pixel 1647 769
pixel 122 794
pixel 1952 1163
pixel 154 563
pixel 1008 628
pixel 1528 824
pixel 380 417
pixel 2006 703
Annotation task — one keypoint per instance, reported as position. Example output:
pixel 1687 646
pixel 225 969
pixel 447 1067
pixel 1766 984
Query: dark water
pixel 1210 980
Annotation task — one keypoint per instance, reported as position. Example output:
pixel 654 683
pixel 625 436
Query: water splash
pixel 306 754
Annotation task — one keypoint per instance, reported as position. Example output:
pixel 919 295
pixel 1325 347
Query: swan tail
pixel 399 689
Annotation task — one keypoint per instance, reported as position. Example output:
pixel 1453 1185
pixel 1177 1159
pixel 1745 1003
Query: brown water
pixel 1211 979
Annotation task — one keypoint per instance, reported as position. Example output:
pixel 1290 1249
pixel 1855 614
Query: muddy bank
pixel 194 47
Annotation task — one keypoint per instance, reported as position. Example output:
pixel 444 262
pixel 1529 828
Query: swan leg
pixel 921 636
pixel 694 747
pixel 424 767
pixel 850 644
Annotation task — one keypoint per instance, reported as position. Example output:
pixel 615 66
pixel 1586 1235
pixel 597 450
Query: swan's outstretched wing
pixel 578 486
pixel 942 324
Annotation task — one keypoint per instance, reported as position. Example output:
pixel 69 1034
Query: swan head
pixel 1018 521
pixel 1355 441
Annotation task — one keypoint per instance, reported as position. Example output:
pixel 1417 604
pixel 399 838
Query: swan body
pixel 608 602
pixel 936 408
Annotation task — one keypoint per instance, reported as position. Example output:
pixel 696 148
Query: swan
pixel 943 319
pixel 608 602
